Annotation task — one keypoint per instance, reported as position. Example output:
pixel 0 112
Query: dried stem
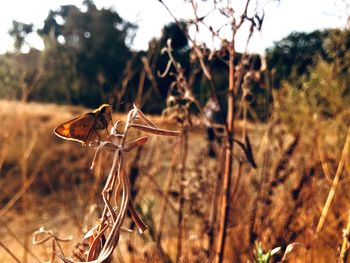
pixel 104 238
pixel 322 155
pixel 181 221
pixel 345 244
pixel 9 252
pixel 228 160
pixel 344 157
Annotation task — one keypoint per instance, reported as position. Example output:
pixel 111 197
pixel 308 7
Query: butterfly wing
pixel 79 129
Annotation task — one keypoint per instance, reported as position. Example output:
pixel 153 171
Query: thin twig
pixel 9 252
pixel 181 219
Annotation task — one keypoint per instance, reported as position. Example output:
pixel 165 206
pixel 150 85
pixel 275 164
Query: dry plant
pixel 236 74
pixel 277 204
pixel 26 146
pixel 42 236
pixel 179 108
pixel 344 157
pixel 103 237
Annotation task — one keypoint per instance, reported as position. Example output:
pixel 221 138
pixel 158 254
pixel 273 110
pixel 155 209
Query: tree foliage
pixel 292 57
pixel 19 32
pixel 87 60
pixel 324 92
pixel 90 47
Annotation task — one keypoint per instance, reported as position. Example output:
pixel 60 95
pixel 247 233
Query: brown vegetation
pixel 47 182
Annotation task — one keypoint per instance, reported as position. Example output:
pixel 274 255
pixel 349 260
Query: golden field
pixel 47 182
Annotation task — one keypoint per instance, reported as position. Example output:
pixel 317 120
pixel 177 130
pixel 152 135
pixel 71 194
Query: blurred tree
pixel 291 57
pixel 325 91
pixel 59 83
pixel 20 74
pixel 19 32
pixel 337 48
pixel 50 28
pixel 95 41
pixel 9 78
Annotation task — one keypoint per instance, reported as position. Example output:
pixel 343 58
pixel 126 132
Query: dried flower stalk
pixel 103 237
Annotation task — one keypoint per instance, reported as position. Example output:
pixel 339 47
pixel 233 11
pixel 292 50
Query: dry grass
pixel 278 203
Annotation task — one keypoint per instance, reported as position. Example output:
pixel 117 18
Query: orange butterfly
pixel 85 128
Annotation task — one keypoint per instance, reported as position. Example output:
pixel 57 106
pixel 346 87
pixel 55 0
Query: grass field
pixel 46 181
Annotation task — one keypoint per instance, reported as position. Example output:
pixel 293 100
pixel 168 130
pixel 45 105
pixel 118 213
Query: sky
pixel 281 18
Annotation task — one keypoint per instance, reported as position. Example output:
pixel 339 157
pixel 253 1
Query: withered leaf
pixel 133 144
pixel 156 131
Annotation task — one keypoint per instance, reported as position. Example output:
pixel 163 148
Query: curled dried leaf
pixel 133 144
pixel 98 237
pixel 90 233
pixel 114 129
pixel 289 250
pixel 247 150
pixel 275 250
pixel 136 217
pixel 156 131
